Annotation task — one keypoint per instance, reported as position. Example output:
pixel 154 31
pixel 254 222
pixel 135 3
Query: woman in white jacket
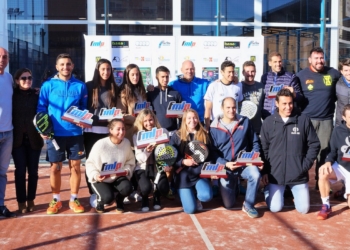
pixel 113 149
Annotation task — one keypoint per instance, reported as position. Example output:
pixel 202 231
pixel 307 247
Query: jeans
pixel 274 197
pixel 229 187
pixel 188 198
pixel 6 140
pixel 323 130
pixel 25 158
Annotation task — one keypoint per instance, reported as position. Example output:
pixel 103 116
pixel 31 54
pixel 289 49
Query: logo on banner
pixel 97 44
pixel 118 59
pixel 210 44
pixel 143 59
pixel 210 59
pixel 120 44
pixel 98 58
pixel 142 43
pixel 188 44
pixel 232 45
pixel 163 59
pixel 253 43
pixel 164 44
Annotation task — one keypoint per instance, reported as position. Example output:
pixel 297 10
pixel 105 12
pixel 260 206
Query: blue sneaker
pixel 252 213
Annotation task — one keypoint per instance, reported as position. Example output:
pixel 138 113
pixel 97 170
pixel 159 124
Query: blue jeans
pixel 275 200
pixel 229 187
pixel 188 198
pixel 6 140
pixel 26 158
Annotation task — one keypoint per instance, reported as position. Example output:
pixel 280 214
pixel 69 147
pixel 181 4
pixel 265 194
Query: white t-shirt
pixel 217 91
pixel 6 86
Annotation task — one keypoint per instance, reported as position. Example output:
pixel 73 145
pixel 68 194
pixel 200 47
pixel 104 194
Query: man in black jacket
pixel 290 146
pixel 337 166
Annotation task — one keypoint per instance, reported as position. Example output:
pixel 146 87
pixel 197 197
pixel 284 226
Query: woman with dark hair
pixel 102 93
pixel 27 142
pixel 132 92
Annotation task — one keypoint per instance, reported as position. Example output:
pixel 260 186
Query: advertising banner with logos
pixel 149 52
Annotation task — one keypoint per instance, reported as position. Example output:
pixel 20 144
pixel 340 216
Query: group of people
pixel 291 130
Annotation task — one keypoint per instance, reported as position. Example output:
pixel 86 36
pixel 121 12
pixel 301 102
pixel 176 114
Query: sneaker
pixel 145 204
pixel 126 200
pixel 54 206
pixel 252 213
pixel 156 201
pixel 75 206
pixel 22 207
pixel 93 200
pixel 100 208
pixel 325 211
pixel 6 213
pixel 134 195
pixel 170 195
pixel 119 210
pixel 199 205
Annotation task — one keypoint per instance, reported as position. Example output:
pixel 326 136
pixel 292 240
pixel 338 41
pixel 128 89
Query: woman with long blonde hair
pixel 187 171
pixel 145 170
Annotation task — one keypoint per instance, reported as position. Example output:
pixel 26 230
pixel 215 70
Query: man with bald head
pixel 6 128
pixel 191 88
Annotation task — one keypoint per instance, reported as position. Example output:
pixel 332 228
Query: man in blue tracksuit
pixel 192 89
pixel 57 95
pixel 230 134
pixel 276 77
pixel 290 147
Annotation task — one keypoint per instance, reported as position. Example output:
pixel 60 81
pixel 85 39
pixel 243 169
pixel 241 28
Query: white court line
pixel 201 232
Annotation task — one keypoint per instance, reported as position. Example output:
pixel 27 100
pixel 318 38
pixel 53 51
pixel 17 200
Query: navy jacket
pixel 289 148
pixel 339 144
pixel 227 144
pixel 159 100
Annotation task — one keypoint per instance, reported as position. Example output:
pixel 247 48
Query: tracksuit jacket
pixel 56 97
pixel 281 78
pixel 289 148
pixel 339 144
pixel 227 144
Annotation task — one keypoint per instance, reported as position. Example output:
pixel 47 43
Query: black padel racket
pixel 197 151
pixel 43 124
pixel 165 155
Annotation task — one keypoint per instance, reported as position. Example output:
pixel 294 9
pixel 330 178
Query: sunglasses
pixel 24 78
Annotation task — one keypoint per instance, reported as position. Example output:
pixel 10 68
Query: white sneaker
pixel 126 200
pixel 137 197
pixel 145 209
pixel 93 200
pixel 157 207
pixel 199 205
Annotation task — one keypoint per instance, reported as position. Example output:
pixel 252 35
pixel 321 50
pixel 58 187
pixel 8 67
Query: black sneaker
pixel 100 208
pixel 5 212
pixel 120 204
pixel 156 201
pixel 145 204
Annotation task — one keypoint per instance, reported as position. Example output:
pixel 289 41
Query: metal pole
pixel 218 15
pixel 106 2
pixel 323 23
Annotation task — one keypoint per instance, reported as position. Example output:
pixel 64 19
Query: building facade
pixel 36 31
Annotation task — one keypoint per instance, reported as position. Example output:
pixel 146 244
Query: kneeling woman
pixel 187 179
pixel 145 169
pixel 112 149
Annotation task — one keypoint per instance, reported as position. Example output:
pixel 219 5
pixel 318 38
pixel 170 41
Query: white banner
pixel 149 52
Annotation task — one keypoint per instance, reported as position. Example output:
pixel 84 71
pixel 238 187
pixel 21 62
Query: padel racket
pixel 165 155
pixel 197 151
pixel 248 109
pixel 43 124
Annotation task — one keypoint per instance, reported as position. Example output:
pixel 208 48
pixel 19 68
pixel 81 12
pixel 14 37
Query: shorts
pixel 72 145
pixel 342 174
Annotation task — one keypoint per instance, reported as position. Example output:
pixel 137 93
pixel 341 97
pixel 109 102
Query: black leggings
pixel 145 183
pixel 89 141
pixel 105 191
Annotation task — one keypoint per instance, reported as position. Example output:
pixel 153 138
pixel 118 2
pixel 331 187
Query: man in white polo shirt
pixel 219 90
